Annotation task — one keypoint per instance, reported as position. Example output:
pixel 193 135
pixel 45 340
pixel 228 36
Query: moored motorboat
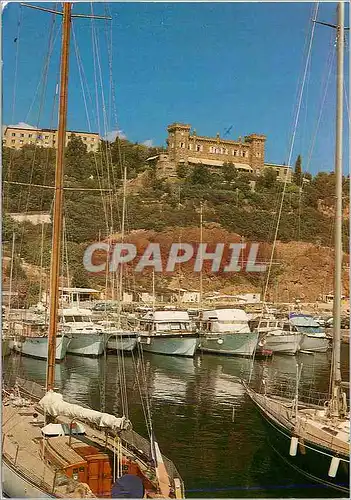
pixel 279 336
pixel 87 338
pixel 30 339
pixel 226 331
pixel 314 338
pixel 168 332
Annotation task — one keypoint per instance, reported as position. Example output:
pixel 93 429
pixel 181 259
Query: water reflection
pixel 191 402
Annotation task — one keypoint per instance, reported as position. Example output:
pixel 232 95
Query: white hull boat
pixel 168 332
pixel 314 343
pixel 37 347
pixel 314 337
pixel 87 344
pixel 235 344
pixel 174 345
pixel 122 341
pixel 226 331
pixel 283 343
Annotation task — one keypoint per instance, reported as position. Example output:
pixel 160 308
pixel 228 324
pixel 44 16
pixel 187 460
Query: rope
pixel 66 188
pixel 290 152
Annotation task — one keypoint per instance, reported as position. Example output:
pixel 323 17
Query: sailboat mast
pixel 58 200
pixel 201 238
pixel 338 198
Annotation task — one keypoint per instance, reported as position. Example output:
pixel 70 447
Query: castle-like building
pixel 185 147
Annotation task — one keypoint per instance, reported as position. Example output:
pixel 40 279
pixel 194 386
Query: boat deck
pixel 22 446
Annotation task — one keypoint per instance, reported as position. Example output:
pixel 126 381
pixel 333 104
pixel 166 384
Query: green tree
pixel 229 172
pixel 268 179
pixel 200 175
pixel 181 171
pixel 80 277
pixel 298 171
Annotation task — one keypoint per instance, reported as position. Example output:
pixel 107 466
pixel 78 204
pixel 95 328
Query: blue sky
pixel 213 65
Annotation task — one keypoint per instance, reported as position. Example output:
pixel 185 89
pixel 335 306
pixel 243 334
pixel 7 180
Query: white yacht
pixel 314 338
pixel 168 332
pixel 226 331
pixel 280 336
pixel 87 338
pixel 29 337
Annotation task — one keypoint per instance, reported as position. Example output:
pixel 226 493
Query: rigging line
pixel 17 41
pixel 45 79
pixel 40 79
pixel 290 152
pixel 82 77
pixel 95 55
pixel 321 109
pixel 95 72
pixel 66 188
pixel 45 72
pixel 104 116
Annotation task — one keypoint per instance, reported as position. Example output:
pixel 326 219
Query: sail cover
pixel 53 404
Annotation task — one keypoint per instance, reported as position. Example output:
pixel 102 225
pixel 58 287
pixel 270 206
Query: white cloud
pixel 22 125
pixel 111 136
pixel 149 143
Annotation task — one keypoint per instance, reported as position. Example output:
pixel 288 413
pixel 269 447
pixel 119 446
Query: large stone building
pixel 16 137
pixel 186 148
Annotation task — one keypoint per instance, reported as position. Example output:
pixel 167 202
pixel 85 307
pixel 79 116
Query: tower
pixel 257 143
pixel 178 141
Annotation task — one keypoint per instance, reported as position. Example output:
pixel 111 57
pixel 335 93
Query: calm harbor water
pixel 202 418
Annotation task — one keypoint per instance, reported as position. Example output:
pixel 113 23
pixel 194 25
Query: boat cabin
pixel 225 321
pixel 77 319
pixel 269 325
pixel 158 322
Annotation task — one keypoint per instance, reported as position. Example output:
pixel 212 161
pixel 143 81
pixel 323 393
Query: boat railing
pixel 59 478
pixel 310 397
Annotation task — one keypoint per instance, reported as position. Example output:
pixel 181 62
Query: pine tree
pixel 298 171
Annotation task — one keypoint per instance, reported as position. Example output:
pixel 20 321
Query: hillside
pixel 236 206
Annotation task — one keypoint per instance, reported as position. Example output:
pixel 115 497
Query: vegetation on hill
pixel 239 202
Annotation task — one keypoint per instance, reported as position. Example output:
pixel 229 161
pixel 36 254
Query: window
pixel 182 145
pixel 92 139
pixel 198 147
pixel 236 152
pixel 258 155
pixel 225 151
pixel 30 135
pixel 13 141
pixel 84 138
pixel 22 135
pixel 190 147
pixel 21 141
pixel 46 137
pixel 13 134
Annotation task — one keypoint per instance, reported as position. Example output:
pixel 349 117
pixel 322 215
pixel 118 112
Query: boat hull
pixel 314 344
pixel 14 485
pixel 37 347
pixel 310 459
pixel 122 342
pixel 179 345
pixel 5 347
pixel 87 344
pixel 283 344
pixel 235 344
